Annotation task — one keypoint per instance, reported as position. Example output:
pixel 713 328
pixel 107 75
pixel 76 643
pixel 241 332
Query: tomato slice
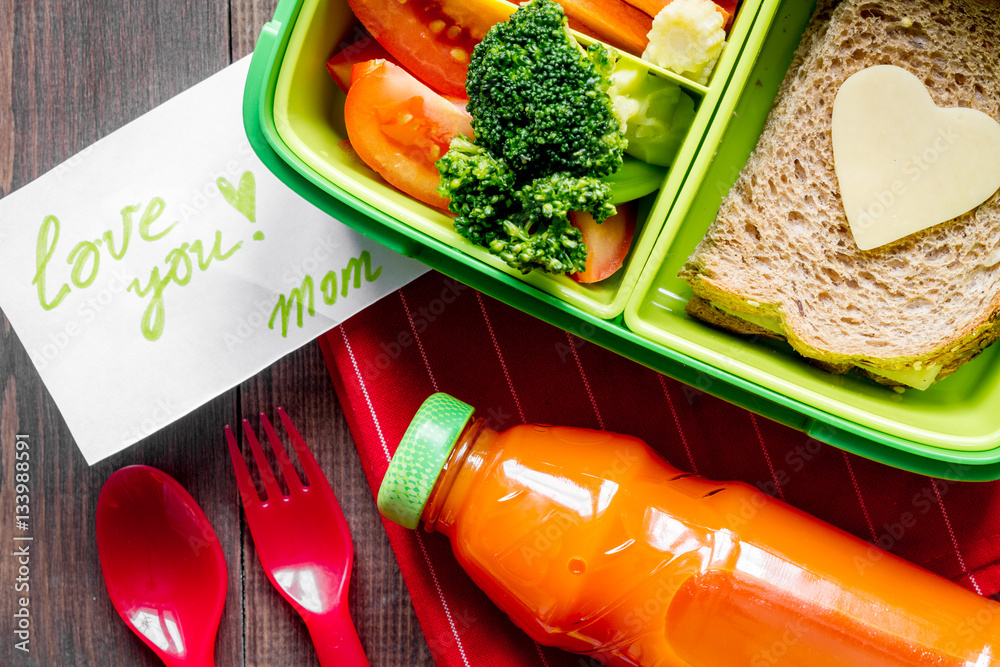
pixel 652 7
pixel 433 39
pixel 607 243
pixel 363 50
pixel 729 6
pixel 614 21
pixel 400 127
pixel 344 71
pixel 363 69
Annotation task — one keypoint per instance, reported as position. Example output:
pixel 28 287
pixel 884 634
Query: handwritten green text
pixel 302 298
pixel 86 256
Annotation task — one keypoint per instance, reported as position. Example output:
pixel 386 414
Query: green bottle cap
pixel 421 455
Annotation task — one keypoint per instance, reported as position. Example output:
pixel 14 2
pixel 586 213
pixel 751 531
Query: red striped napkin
pixel 438 335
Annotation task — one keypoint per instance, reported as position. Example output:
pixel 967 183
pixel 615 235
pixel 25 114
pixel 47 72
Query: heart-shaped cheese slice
pixel 903 163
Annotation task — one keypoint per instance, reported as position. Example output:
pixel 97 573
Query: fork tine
pixel 284 462
pixel 313 472
pixel 247 491
pixel 271 487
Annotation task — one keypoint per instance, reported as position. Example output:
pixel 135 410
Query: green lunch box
pixel 293 112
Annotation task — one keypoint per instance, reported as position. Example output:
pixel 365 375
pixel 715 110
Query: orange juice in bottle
pixel 592 543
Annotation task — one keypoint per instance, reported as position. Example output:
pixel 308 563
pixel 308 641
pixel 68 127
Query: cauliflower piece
pixel 687 38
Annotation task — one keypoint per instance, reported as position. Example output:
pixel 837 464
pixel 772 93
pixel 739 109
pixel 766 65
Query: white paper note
pixel 165 264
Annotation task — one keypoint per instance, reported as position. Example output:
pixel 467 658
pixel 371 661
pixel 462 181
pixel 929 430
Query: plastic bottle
pixel 592 543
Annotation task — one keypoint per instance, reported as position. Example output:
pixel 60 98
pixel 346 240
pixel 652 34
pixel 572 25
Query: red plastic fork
pixel 302 541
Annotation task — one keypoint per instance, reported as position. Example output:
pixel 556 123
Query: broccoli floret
pixel 539 101
pixel 526 224
pixel 481 189
pixel 545 133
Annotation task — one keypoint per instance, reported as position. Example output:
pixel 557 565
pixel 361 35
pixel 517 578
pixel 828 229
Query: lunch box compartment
pixel 956 414
pixel 308 115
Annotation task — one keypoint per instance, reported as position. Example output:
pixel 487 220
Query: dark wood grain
pixel 247 17
pixel 6 95
pixel 71 73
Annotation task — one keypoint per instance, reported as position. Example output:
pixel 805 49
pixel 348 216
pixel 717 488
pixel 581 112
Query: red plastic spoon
pixel 162 564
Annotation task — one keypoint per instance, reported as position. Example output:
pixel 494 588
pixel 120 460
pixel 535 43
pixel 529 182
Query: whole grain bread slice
pixel 781 246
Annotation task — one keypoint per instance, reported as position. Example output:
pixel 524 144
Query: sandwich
pixel 781 261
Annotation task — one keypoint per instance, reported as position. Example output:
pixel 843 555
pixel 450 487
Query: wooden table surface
pixel 71 72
